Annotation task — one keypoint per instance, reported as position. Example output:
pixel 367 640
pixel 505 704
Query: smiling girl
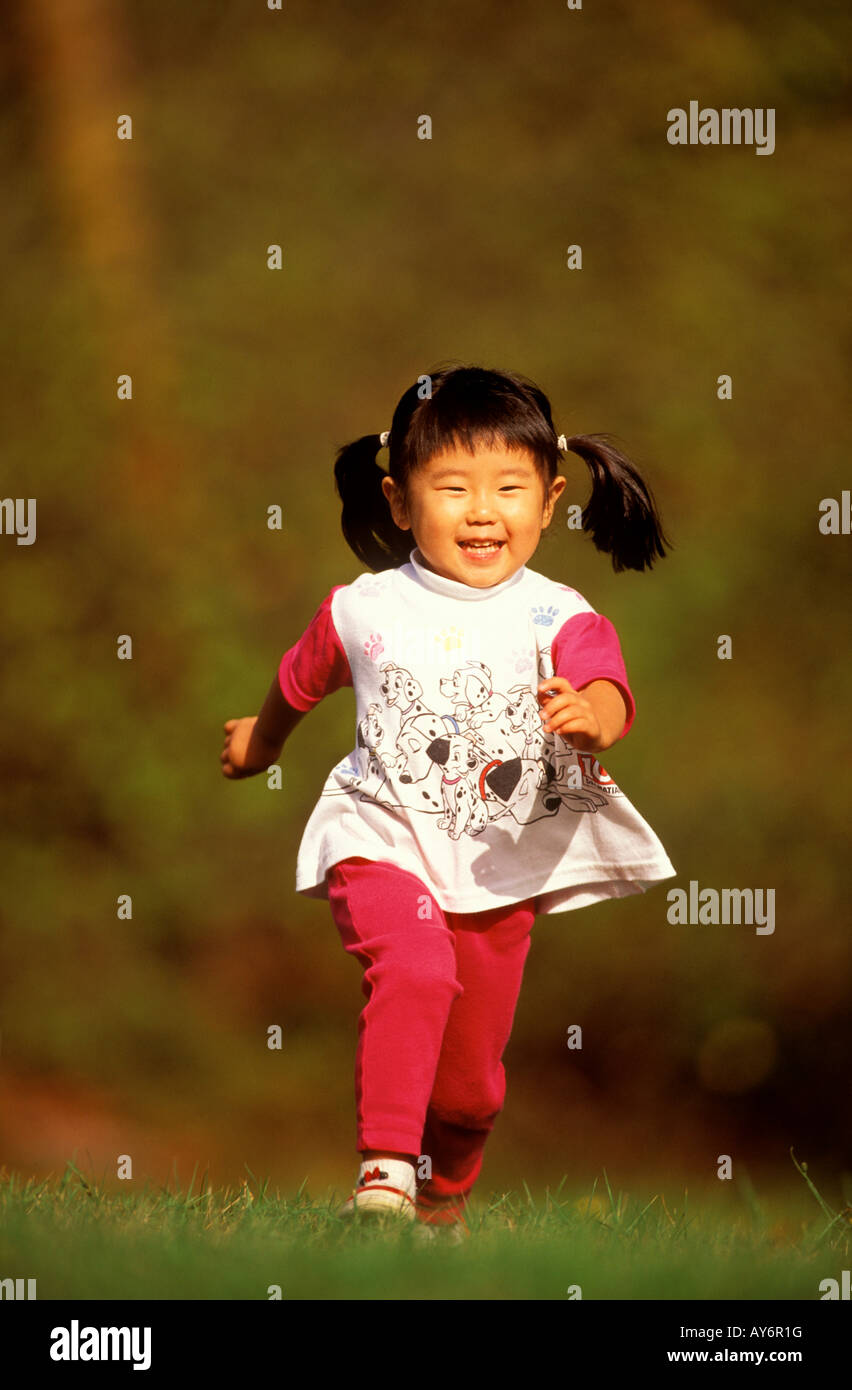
pixel 473 798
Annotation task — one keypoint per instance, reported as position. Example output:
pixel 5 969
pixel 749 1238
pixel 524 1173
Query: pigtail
pixel 366 521
pixel 620 516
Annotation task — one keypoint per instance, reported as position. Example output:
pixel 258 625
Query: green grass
pixel 80 1240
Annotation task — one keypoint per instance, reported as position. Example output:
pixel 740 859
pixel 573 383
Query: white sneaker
pixel 385 1187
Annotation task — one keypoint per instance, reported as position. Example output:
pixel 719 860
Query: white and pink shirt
pixel 452 775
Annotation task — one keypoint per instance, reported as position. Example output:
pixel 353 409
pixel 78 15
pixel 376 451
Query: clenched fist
pixel 246 752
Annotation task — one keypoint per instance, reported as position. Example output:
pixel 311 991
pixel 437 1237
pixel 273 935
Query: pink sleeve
pixel 586 648
pixel 317 664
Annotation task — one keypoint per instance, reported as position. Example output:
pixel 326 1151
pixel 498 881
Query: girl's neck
pixel 454 588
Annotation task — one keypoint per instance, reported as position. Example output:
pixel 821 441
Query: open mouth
pixel 481 548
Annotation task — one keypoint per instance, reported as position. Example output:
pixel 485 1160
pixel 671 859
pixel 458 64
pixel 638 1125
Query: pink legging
pixel 441 991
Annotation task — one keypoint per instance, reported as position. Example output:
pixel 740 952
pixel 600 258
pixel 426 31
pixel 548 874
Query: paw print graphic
pixel 544 617
pixel 523 660
pixel 374 646
pixel 370 588
pixel 450 638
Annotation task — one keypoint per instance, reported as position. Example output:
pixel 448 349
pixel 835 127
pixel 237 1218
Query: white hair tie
pixel 384 437
pixel 562 442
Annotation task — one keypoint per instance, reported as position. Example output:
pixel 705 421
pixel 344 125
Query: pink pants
pixel 441 991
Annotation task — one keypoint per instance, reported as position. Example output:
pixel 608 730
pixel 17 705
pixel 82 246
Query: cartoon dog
pixel 564 779
pixel 373 736
pixel 464 808
pixel 402 689
pixel 524 714
pixel 413 742
pixel 475 701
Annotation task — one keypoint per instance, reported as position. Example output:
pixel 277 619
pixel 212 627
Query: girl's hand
pixel 246 752
pixel 570 714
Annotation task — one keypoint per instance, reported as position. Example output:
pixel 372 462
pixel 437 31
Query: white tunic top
pixel 452 775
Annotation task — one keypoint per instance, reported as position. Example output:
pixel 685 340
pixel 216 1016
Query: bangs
pixel 472 408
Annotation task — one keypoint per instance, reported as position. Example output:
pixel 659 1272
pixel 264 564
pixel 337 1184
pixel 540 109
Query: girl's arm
pixel 277 718
pixel 312 668
pixel 252 744
pixel 594 707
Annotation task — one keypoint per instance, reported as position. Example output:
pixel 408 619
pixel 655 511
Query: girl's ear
pixel 397 506
pixel 556 488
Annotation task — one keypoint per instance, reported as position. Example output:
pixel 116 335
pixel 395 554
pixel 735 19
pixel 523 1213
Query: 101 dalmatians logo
pixel 596 774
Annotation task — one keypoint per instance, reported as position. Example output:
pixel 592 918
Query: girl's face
pixel 491 496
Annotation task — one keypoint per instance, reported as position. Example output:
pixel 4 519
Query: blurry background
pixel 148 257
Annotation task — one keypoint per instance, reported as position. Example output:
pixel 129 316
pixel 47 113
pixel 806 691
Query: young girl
pixel 473 798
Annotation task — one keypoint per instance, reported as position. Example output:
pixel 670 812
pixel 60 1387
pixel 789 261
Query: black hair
pixel 462 407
